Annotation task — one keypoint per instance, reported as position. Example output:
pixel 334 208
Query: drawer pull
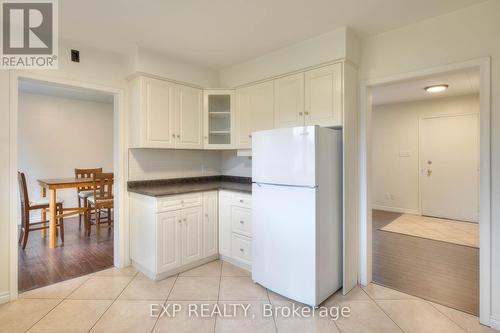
pixel 242 250
pixel 242 222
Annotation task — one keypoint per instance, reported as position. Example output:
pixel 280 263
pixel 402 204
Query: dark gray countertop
pixel 163 187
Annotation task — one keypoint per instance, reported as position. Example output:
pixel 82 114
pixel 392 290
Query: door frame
pixel 422 118
pixel 365 201
pixel 121 254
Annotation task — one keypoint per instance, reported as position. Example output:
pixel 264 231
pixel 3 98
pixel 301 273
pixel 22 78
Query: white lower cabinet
pixel 235 228
pixel 168 238
pixel 173 233
pixel 210 224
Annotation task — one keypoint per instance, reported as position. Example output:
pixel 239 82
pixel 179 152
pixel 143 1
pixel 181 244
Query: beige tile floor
pixel 119 301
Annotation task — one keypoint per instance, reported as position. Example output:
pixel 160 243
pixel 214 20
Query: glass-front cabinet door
pixel 218 119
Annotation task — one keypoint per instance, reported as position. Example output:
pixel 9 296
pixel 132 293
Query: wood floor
pixel 441 272
pixel 40 266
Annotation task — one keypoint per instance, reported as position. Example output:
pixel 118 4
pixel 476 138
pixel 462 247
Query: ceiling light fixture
pixel 436 88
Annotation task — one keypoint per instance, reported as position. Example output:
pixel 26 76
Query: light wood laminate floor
pixel 438 271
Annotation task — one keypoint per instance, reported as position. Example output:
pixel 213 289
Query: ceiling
pixel 460 83
pixel 220 33
pixel 48 89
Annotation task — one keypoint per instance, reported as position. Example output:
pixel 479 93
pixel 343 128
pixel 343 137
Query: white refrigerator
pixel 297 212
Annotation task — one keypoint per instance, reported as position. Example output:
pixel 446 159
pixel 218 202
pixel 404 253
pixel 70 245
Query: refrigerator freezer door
pixel 284 240
pixel 285 156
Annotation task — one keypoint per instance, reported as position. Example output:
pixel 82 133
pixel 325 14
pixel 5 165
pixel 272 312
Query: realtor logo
pixel 29 34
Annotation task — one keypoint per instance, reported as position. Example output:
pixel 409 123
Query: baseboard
pixel 236 263
pixel 4 297
pixel 495 323
pixel 181 269
pixel 397 209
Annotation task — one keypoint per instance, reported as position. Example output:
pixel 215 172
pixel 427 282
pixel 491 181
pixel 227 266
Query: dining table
pixel 52 185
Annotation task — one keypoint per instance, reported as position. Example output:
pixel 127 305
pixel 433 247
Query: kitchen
pixel 210 150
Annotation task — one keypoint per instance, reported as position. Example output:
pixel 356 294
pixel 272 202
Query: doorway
pixel 369 226
pixel 77 254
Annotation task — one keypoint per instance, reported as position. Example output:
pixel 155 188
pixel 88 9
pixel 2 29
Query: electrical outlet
pixel 75 55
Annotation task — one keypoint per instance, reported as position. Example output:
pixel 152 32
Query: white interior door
pixel 449 166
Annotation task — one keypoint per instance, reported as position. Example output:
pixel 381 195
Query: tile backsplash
pixel 149 164
pixel 166 164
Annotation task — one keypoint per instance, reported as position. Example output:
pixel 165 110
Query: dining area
pixel 59 239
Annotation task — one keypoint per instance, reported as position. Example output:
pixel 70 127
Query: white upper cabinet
pixel 323 96
pixel 190 118
pixel 165 115
pixel 255 111
pixel 289 101
pixel 219 119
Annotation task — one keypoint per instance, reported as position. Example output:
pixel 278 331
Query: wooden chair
pixel 27 206
pixel 102 198
pixel 84 192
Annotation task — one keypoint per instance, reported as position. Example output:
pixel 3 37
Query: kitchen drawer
pixel 242 248
pixel 242 200
pixel 174 202
pixel 241 221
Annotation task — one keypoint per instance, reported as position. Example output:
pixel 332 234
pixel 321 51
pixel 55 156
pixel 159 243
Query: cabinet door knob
pixel 242 222
pixel 250 136
pixel 242 250
pixel 306 113
pixel 185 220
pixel 241 200
pixel 206 138
pixel 300 113
pixel 178 136
pixel 173 136
pixel 206 215
pixel 180 221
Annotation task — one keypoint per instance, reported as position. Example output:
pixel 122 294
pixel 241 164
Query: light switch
pixel 404 154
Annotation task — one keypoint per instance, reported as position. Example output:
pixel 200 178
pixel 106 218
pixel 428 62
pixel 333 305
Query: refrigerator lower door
pixel 285 156
pixel 284 240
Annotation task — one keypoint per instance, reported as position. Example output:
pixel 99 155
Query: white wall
pixel 455 37
pixel 338 44
pixel 57 135
pixel 156 64
pixel 233 165
pixel 145 164
pixel 395 130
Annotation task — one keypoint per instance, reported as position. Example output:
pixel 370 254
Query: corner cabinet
pixel 173 233
pixel 218 119
pixel 254 111
pixel 164 114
